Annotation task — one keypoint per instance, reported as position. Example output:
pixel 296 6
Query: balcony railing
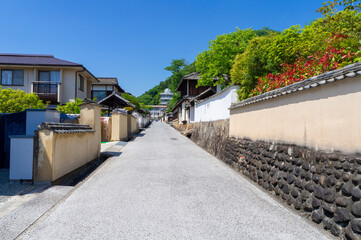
pixel 47 91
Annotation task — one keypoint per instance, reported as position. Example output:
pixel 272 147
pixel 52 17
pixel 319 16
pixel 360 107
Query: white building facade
pixel 215 107
pixel 165 97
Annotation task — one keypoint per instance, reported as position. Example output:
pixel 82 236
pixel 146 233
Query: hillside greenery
pixel 178 68
pixel 263 61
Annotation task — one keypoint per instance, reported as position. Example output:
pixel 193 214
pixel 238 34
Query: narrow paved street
pixel 163 186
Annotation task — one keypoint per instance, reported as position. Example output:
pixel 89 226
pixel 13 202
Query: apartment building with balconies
pixel 52 79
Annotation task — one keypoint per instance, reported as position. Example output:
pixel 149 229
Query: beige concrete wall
pixel 327 117
pixel 91 115
pixel 44 155
pixel 119 129
pixel 58 154
pixel 133 124
pixel 63 153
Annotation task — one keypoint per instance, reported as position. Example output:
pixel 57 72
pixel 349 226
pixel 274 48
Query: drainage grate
pixel 174 138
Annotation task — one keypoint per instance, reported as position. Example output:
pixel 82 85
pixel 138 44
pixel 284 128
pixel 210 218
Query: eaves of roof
pixel 117 96
pixel 316 81
pixel 188 77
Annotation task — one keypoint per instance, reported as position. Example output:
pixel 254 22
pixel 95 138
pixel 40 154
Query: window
pixel 12 77
pixel 99 95
pixel 49 76
pixel 101 91
pixel 81 83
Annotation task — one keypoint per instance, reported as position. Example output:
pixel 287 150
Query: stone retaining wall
pixel 323 186
pixel 211 136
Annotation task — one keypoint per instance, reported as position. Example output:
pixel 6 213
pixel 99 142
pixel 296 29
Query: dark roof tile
pixel 34 59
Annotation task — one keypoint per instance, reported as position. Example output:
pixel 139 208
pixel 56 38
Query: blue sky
pixel 135 40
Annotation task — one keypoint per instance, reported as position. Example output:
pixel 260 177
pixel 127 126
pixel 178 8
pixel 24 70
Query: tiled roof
pixel 192 76
pixel 207 93
pixel 34 59
pixel 116 100
pixel 328 77
pixel 66 127
pixel 120 110
pixel 107 80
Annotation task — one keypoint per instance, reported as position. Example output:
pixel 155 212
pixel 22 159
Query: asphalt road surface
pixel 163 186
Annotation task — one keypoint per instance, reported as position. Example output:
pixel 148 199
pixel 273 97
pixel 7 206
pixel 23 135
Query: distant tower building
pixel 165 97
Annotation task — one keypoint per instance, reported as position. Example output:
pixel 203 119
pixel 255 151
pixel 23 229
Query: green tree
pixel 176 65
pixel 12 101
pixel 178 68
pixel 133 100
pixel 265 55
pixel 72 107
pixel 176 97
pixel 265 31
pixel 216 62
pixel 330 7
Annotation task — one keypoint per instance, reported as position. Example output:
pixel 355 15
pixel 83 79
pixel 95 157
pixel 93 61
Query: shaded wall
pixel 134 128
pixel 211 136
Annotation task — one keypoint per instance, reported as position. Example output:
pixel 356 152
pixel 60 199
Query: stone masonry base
pixel 325 187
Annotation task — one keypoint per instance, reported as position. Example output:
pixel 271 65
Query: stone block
pixel 342 215
pixel 317 216
pixel 343 201
pixel 356 209
pixel 329 195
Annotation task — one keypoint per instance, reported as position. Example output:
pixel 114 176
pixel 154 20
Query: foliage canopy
pixel 12 101
pixel 72 107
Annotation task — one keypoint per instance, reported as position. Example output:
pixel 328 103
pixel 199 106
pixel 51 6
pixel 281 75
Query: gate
pixel 10 124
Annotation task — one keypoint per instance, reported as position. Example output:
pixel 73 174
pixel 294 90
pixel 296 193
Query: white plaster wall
pixel 216 107
pixel 191 114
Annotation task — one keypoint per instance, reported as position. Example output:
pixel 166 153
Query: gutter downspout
pixel 76 81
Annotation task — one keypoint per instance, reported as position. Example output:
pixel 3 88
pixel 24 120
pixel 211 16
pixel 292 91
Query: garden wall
pixel 60 148
pixel 119 125
pixel 302 143
pixel 325 187
pixel 325 117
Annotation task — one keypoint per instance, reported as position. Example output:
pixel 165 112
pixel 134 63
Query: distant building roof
pixel 192 76
pixel 37 60
pixel 34 59
pixel 157 106
pixel 205 94
pixel 167 91
pixel 109 81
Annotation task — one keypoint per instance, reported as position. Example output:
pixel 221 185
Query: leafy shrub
pixel 12 101
pixel 72 107
pixel 318 63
